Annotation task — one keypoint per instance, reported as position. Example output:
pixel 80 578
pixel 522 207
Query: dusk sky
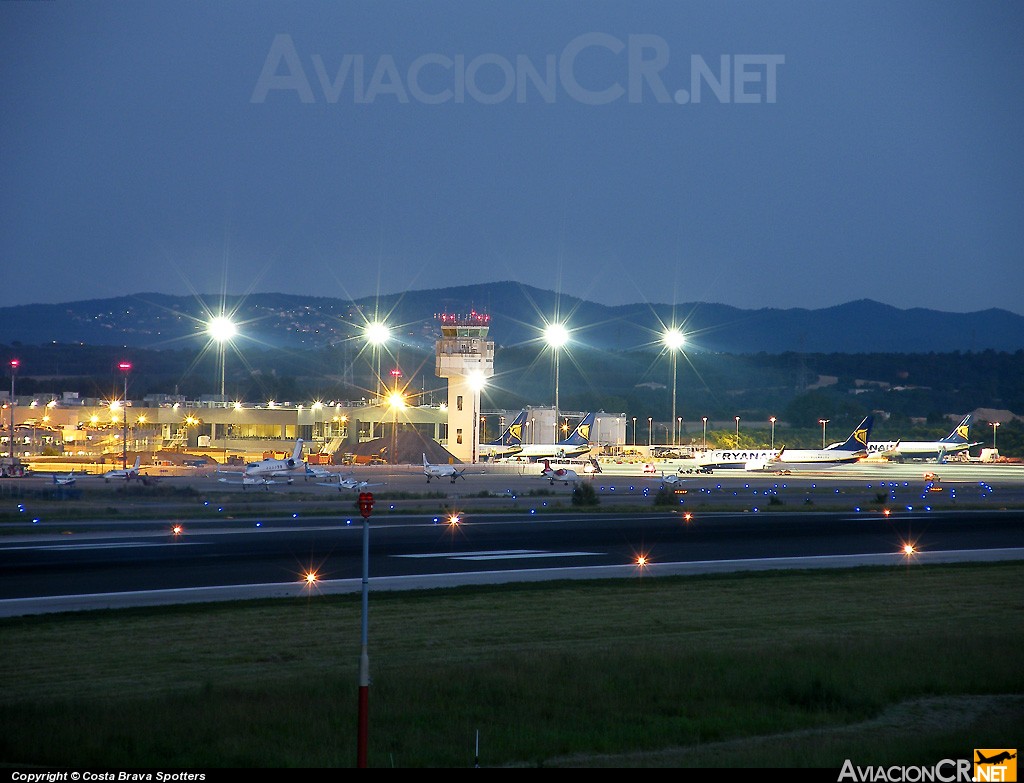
pixel 757 154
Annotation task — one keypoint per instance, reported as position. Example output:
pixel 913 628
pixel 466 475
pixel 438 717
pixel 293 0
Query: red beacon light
pixel 365 504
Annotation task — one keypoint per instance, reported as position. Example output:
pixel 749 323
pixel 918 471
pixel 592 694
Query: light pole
pixel 125 367
pixel 737 431
pixel 994 425
pixel 823 422
pixel 377 333
pixel 679 429
pixel 556 335
pixel 15 364
pixel 650 430
pixel 772 420
pixel 221 329
pixel 705 438
pixel 673 340
pixel 634 431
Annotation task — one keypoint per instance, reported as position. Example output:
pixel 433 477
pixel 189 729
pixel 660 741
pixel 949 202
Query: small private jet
pixel 254 481
pixel 289 468
pixel 126 473
pixel 344 482
pixel 564 475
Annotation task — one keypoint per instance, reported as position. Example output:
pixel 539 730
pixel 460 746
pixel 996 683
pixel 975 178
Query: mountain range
pixel 518 312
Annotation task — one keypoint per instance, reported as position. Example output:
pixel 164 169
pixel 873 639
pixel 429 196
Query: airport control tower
pixel 466 358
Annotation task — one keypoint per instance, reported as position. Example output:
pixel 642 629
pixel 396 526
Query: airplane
pixel 318 472
pixel 128 474
pixel 956 441
pixel 509 444
pixel 853 449
pixel 671 479
pixel 441 471
pixel 254 481
pixel 348 482
pixel 996 759
pixel 288 468
pixel 558 474
pixel 64 481
pixel 577 444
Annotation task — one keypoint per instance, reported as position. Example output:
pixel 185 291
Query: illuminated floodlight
pixel 396 400
pixel 673 339
pixel 221 329
pixel 477 380
pixel 377 333
pixel 556 335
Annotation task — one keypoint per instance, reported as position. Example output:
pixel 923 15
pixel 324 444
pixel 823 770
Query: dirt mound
pixel 409 447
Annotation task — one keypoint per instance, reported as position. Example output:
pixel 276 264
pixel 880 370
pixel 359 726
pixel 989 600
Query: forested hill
pixel 517 314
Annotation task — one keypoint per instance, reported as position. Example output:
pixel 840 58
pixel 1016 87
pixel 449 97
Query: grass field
pixel 905 665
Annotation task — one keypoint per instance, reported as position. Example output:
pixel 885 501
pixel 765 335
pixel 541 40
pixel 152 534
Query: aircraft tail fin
pixel 858 440
pixel 138 462
pixel 581 435
pixel 513 434
pixel 961 433
pixel 425 463
pixel 297 452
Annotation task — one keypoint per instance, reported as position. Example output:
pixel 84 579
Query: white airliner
pixel 441 471
pixel 938 450
pixel 853 449
pixel 509 444
pixel 289 468
pixel 577 444
pixel 348 482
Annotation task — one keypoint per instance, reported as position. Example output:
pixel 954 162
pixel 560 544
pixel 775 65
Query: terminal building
pixel 335 432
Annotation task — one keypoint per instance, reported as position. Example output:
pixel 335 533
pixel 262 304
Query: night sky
pixel 756 154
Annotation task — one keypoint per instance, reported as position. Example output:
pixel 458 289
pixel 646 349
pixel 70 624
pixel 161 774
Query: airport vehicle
pixel 853 449
pixel 564 475
pixel 509 444
pixel 11 467
pixel 577 444
pixel 958 440
pixel 348 482
pixel 289 468
pixel 127 473
pixel 441 471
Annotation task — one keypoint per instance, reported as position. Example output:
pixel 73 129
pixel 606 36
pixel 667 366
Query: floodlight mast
pixel 125 367
pixel 674 340
pixel 556 335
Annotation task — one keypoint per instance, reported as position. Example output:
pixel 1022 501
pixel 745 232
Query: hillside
pixel 518 311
